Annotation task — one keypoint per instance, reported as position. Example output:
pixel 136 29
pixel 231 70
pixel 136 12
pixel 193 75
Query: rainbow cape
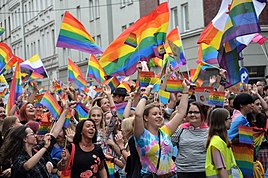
pixel 120 58
pixel 74 35
pixel 95 70
pixel 52 104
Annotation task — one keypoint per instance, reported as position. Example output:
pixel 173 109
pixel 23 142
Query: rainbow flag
pixel 258 38
pixel 34 64
pixel 145 78
pixel 57 85
pixel 2 30
pixel 110 166
pixel 207 54
pixel 35 76
pixel 3 79
pixel 113 83
pixel 38 98
pixel 82 111
pixel 68 119
pixel 52 104
pixel 120 108
pixel 75 75
pixel 216 98
pixel 174 47
pixel 174 86
pixel 125 85
pixel 74 35
pixel 131 40
pixel 245 134
pixel 156 82
pixel 5 56
pixel 15 88
pixel 164 96
pixel 121 59
pixel 95 70
pixel 44 128
pixel 3 93
pixel 244 157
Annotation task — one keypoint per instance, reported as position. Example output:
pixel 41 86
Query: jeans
pixel 191 174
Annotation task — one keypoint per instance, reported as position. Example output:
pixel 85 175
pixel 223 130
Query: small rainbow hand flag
pixel 216 98
pixel 145 78
pixel 156 82
pixel 120 108
pixel 174 86
pixel 164 96
pixel 245 134
pixel 38 98
pixel 44 128
pixel 67 119
pixel 52 104
pixel 113 83
pixel 82 111
pixel 131 40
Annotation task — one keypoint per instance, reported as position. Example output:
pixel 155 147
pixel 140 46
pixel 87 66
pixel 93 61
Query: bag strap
pixel 70 163
pixel 159 142
pixel 179 137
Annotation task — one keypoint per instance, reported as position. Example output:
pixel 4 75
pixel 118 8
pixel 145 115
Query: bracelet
pixel 145 94
pixel 145 97
pixel 113 107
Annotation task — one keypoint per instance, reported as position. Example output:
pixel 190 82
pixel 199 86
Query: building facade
pixel 32 27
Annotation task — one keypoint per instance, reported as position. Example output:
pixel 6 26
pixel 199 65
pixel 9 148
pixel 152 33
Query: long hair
pixel 217 125
pixel 102 123
pixel 79 129
pixel 8 123
pixel 13 143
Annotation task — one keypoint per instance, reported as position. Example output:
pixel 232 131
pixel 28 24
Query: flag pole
pixel 264 52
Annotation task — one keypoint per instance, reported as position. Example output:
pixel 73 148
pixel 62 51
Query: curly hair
pixel 78 132
pixel 13 143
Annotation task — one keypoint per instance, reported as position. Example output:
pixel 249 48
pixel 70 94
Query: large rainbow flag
pixel 75 36
pixel 174 47
pixel 75 75
pixel 95 70
pixel 150 32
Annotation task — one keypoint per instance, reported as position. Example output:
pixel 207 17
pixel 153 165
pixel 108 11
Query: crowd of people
pixel 183 138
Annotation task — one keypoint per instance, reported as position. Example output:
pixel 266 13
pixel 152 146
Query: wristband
pixel 113 107
pixel 145 97
pixel 145 94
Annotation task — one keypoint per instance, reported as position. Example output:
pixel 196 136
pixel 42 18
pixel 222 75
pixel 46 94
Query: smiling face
pixel 108 117
pixel 154 118
pixel 88 130
pixel 96 115
pixel 105 105
pixel 30 109
pixel 194 116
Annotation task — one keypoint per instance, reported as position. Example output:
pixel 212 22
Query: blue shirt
pixel 239 120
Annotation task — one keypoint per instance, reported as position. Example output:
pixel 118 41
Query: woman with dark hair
pixel 88 157
pixel 19 147
pixel 242 105
pixel 219 157
pixel 152 136
pixel 190 138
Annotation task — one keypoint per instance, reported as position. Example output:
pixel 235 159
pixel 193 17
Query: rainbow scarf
pixel 174 86
pixel 75 75
pixel 52 104
pixel 121 58
pixel 95 70
pixel 74 35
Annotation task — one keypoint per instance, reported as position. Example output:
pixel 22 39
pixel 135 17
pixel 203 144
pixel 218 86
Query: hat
pixel 33 125
pixel 120 91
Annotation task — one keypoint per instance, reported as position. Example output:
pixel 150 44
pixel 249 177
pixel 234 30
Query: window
pixel 30 10
pixel 98 40
pixel 124 27
pixel 25 12
pixel 91 10
pixel 53 40
pixel 97 9
pixel 185 17
pixel 78 13
pixel 174 17
pixel 123 3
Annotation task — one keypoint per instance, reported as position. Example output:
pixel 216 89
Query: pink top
pixel 188 125
pixel 217 158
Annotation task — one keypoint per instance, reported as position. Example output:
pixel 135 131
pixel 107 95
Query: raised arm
pixel 177 119
pixel 138 122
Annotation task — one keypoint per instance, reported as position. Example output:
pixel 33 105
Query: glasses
pixel 193 112
pixel 30 134
pixel 228 118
